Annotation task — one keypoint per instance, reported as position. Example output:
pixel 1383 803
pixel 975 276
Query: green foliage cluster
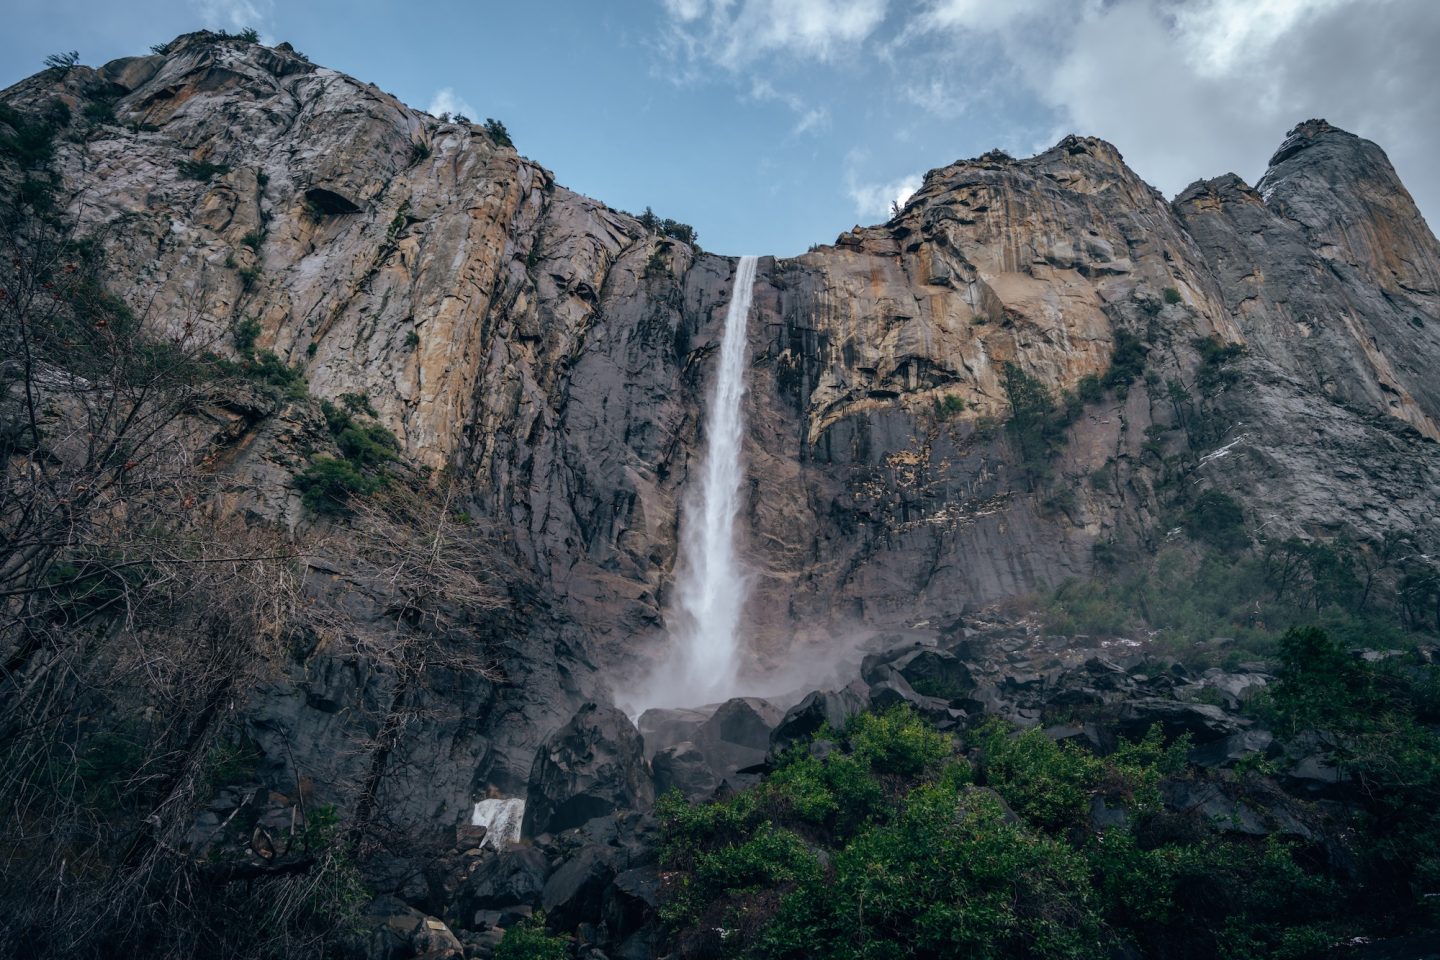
pixel 1379 724
pixel 28 139
pixel 327 485
pixel 62 61
pixel 948 406
pixel 1189 600
pixel 1217 519
pixel 261 367
pixel 673 229
pixel 1215 357
pixel 527 940
pixel 1172 296
pixel 1036 428
pixel 885 847
pixel 202 170
pixel 497 133
pixel 99 111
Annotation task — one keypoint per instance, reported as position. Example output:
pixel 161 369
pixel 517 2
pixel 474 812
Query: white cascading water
pixel 501 818
pixel 712 586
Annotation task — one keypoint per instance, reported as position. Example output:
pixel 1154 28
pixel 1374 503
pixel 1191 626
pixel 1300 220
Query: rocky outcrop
pixel 593 766
pixel 555 352
pixel 1278 342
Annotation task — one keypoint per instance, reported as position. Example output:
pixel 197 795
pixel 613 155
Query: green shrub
pixel 1047 783
pixel 1127 362
pixel 1035 428
pixel 897 741
pixel 357 403
pixel 948 878
pixel 255 239
pixel 948 406
pixel 98 111
pixel 497 133
pixel 30 141
pixel 202 170
pixel 1216 518
pixel 527 940
pixel 327 485
pixel 367 446
pixel 62 61
pixel 1172 296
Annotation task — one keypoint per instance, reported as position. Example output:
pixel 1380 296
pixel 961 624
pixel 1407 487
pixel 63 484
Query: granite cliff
pixel 549 356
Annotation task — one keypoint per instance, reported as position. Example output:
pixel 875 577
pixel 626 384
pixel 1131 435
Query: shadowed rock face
pixel 556 355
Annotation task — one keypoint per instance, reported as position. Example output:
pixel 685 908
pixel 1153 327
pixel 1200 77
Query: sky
pixel 772 125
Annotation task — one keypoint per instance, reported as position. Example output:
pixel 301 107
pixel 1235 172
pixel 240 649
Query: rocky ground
pixel 590 857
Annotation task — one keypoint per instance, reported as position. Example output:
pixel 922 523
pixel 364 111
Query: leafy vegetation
pixel 329 483
pixel 948 406
pixel 62 61
pixel 202 170
pixel 673 229
pixel 1217 519
pixel 497 133
pixel 260 367
pixel 887 847
pixel 527 940
pixel 1362 593
pixel 1036 429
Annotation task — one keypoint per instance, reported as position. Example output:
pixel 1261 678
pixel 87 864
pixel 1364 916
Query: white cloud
pixel 1189 89
pixel 734 33
pixel 446 100
pixel 977 14
pixel 873 200
pixel 685 10
pixel 236 15
pixel 808 118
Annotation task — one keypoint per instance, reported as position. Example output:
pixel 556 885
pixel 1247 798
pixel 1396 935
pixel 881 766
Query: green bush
pixel 527 940
pixel 939 868
pixel 367 446
pixel 948 878
pixel 201 170
pixel 327 485
pixel 1036 429
pixel 99 111
pixel 897 741
pixel 1127 362
pixel 497 133
pixel 1049 784
pixel 1217 519
pixel 1172 296
pixel 948 406
pixel 30 141
pixel 62 61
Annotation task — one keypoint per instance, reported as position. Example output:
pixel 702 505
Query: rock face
pixel 553 354
pixel 593 766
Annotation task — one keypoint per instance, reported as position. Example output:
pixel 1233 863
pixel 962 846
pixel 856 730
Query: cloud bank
pixel 1186 89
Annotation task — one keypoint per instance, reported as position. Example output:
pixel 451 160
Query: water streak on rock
pixel 501 818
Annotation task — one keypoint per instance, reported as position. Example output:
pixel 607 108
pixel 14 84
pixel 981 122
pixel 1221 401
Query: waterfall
pixel 711 586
